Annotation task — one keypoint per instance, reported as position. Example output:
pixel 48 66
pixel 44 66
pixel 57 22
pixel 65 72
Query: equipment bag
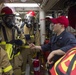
pixel 65 65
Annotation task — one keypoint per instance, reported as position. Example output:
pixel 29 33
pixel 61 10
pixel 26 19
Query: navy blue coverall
pixel 64 41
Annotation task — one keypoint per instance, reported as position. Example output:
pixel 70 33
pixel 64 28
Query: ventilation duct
pixel 44 3
pixel 49 4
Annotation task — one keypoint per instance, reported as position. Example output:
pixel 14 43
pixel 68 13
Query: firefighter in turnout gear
pixel 5 66
pixel 8 35
pixel 28 37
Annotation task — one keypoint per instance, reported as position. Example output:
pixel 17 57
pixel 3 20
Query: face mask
pixel 29 20
pixel 9 21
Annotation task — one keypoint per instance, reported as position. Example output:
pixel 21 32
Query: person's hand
pixel 50 56
pixel 32 46
pixel 53 53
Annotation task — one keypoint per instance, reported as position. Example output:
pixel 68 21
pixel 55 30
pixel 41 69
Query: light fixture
pixel 21 4
pixel 23 0
pixel 49 16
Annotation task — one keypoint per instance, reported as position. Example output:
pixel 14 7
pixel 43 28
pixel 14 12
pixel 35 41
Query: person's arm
pixel 38 47
pixel 33 46
pixel 53 53
pixel 45 47
pixel 69 43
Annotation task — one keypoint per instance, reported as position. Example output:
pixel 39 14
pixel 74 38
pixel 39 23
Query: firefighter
pixel 17 60
pixel 29 37
pixel 5 66
pixel 18 22
pixel 8 35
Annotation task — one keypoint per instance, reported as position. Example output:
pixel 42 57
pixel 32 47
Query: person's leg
pixel 17 63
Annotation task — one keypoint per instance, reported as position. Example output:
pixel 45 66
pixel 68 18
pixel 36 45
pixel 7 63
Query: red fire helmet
pixel 31 13
pixel 6 10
